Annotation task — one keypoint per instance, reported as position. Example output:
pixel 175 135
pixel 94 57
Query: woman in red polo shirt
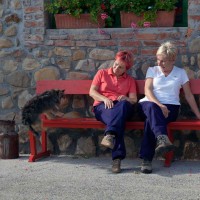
pixel 114 93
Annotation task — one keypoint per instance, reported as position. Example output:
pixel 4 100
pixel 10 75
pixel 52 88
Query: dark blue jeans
pixel 115 119
pixel 155 125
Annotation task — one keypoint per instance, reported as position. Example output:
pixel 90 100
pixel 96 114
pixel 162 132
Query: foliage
pixel 135 6
pixel 77 7
pixel 107 9
pixel 167 5
pixel 146 8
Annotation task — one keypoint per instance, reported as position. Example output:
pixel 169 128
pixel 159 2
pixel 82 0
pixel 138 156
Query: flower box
pixel 163 19
pixel 66 21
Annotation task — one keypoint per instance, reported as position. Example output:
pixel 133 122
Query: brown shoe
pixel 163 145
pixel 107 141
pixel 116 166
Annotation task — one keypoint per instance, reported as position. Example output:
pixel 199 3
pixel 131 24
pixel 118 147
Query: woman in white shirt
pixel 161 103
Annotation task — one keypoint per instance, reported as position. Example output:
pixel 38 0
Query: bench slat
pixel 75 86
pixel 83 86
pixel 85 123
pixel 93 123
pixel 195 86
pixel 185 125
pixel 70 86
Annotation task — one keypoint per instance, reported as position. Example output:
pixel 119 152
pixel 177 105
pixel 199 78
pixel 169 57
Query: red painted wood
pixel 70 86
pixel 185 125
pixel 74 86
pixel 195 86
pixel 39 155
pixel 85 123
pixel 82 86
pixel 32 143
pixel 34 154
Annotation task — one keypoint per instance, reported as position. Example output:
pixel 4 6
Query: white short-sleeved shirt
pixel 166 89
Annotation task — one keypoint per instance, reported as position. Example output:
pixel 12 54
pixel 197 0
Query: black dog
pixel 49 100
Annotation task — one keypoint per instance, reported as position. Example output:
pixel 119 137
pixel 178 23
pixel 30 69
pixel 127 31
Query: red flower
pixel 102 32
pixel 103 7
pixel 104 16
pixel 147 24
pixel 133 25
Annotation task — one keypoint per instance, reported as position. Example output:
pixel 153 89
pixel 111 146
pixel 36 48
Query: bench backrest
pixel 83 86
pixel 74 86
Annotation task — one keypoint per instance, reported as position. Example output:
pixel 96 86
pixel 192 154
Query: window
pixel 181 19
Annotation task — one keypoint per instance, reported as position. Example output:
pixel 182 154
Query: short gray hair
pixel 168 49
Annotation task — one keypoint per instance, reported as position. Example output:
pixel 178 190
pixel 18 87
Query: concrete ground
pixel 77 178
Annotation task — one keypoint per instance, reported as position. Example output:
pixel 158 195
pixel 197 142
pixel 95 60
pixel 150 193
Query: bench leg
pixel 33 149
pixel 44 153
pixel 44 141
pixel 169 156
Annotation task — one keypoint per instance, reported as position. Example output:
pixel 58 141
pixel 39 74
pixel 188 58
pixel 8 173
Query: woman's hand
pixel 165 110
pixel 108 103
pixel 131 99
pixel 59 114
pixel 122 97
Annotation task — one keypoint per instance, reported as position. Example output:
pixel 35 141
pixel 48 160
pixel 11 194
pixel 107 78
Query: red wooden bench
pixel 82 87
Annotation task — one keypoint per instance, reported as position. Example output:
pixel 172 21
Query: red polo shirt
pixel 112 87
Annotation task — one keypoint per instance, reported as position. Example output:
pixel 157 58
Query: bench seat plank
pixel 93 123
pixel 185 125
pixel 85 123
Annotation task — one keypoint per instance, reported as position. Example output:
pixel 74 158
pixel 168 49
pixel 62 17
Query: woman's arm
pixel 190 99
pixel 99 97
pixel 132 98
pixel 95 94
pixel 148 90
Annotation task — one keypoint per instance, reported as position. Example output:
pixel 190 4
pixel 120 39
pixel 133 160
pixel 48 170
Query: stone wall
pixel 29 51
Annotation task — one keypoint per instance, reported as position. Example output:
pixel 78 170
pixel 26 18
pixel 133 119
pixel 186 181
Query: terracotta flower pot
pixel 164 19
pixel 127 18
pixel 66 21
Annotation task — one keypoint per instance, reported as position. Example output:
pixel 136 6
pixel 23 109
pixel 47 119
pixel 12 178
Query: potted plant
pixel 165 10
pixel 144 12
pixel 78 13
